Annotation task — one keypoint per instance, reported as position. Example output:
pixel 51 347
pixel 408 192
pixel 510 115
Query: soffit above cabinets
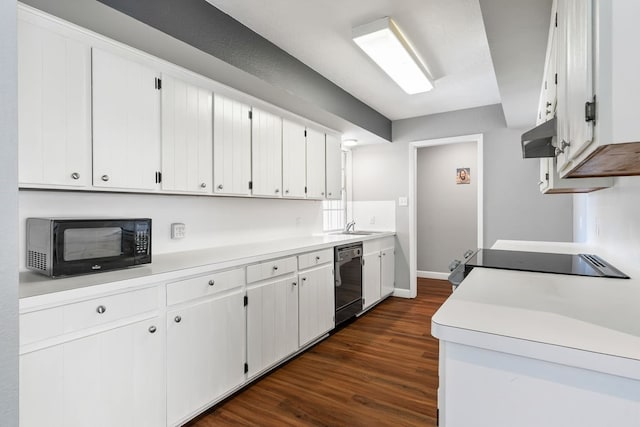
pixel 449 36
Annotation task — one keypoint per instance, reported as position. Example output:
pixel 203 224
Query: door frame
pixel 413 211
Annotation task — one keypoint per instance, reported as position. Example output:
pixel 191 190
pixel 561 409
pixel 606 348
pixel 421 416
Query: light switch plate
pixel 178 230
pixel 403 201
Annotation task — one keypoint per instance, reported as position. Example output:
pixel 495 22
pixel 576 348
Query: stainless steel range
pixel 348 281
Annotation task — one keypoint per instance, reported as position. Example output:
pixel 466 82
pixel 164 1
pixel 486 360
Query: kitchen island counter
pixel 518 342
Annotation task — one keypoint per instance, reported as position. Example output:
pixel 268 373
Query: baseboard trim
pixel 432 275
pixel 402 293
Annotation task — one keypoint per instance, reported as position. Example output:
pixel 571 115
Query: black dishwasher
pixel 348 269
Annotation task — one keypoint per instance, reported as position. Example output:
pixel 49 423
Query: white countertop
pixel 168 267
pixel 511 311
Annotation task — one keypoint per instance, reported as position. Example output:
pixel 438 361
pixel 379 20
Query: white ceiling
pixel 448 34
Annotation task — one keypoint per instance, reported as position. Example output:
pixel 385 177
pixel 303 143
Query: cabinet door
pixel 205 353
pixel 371 289
pixel 315 164
pixel 388 272
pixel 575 27
pixel 272 323
pixel 334 167
pixel 54 109
pixel 126 123
pixel 187 136
pixel 294 168
pixel 266 154
pixel 231 146
pixel 108 379
pixel 317 303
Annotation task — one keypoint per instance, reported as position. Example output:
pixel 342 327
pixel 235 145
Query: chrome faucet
pixel 350 226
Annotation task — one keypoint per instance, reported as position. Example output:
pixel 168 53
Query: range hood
pixel 536 143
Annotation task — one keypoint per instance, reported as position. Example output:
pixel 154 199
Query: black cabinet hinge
pixel 246 300
pixel 590 111
pixel 250 115
pixel 556 78
pixel 305 133
pixel 158 83
pixel 246 368
pixel 556 19
pixel 305 190
pixel 250 185
pixel 158 177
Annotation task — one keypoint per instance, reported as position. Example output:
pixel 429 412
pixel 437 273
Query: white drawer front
pixel 313 259
pixel 204 285
pixel 268 269
pixel 39 325
pixel 114 307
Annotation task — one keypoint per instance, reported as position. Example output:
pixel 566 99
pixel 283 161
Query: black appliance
pixel 541 262
pixel 64 246
pixel 348 281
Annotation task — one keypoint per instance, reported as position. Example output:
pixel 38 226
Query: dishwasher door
pixel 348 281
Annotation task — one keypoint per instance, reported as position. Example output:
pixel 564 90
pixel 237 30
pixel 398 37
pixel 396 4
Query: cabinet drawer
pixel 49 323
pixel 268 269
pixel 313 259
pixel 103 310
pixel 376 245
pixel 204 285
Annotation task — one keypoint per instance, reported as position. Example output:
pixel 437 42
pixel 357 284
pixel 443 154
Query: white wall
pixel 447 215
pixel 513 206
pixel 609 219
pixel 210 221
pixel 8 216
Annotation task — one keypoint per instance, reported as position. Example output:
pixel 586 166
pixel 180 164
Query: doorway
pixel 448 194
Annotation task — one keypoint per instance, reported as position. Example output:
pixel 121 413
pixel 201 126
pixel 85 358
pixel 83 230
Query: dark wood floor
pixel 381 370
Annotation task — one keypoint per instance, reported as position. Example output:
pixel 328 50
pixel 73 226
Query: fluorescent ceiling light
pixel 383 41
pixel 350 142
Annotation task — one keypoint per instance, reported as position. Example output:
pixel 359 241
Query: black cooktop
pixel 543 262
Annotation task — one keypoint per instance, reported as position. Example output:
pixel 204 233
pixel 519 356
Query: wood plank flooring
pixel 381 370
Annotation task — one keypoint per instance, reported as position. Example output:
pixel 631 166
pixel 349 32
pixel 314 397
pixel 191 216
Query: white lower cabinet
pixel 378 271
pixel 205 353
pixel 112 378
pixel 317 303
pixel 272 323
pixel 371 289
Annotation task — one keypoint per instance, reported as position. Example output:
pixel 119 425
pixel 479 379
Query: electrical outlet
pixel 372 220
pixel 178 230
pixel 403 201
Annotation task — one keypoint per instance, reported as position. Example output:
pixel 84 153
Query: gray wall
pixel 8 216
pixel 447 216
pixel 209 42
pixel 513 206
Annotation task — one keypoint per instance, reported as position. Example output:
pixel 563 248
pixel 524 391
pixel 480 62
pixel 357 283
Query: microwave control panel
pixel 142 238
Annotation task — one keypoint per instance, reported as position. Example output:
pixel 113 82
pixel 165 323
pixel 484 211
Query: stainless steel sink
pixel 357 233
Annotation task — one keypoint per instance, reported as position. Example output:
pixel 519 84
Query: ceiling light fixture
pixel 350 142
pixel 383 41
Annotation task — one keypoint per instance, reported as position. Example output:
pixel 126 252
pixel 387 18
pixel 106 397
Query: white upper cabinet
pixel 231 146
pixel 575 83
pixel 126 123
pixel 334 167
pixel 266 154
pixel 315 164
pixel 54 106
pixel 294 165
pixel 598 127
pixel 187 136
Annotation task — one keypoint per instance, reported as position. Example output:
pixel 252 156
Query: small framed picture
pixel 463 175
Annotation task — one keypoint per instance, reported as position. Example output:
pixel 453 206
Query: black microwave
pixel 65 247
